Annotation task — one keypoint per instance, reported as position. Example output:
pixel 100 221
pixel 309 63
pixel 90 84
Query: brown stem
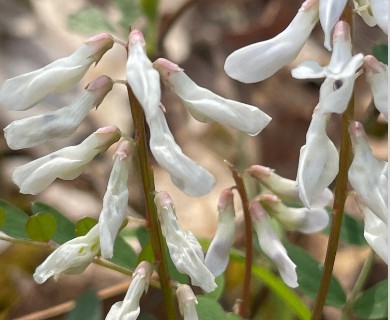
pixel 156 238
pixel 245 300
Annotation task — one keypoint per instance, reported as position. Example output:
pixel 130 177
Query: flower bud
pixel 330 12
pixel 66 164
pixel 217 257
pixel 25 91
pixel 184 249
pixel 71 257
pixel 187 301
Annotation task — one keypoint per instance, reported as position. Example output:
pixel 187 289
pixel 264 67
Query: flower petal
pixel 205 105
pixel 115 200
pixel 308 70
pixel 25 91
pixel 187 301
pixel 67 163
pixel 380 11
pixel 330 12
pixel 259 61
pixel 217 257
pixel 184 249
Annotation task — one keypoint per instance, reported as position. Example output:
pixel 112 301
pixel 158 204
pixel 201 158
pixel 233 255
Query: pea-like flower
pixel 115 199
pixel 72 257
pixel 187 302
pixel 217 257
pixel 66 164
pixel 367 174
pixel 144 80
pixel 33 131
pixel 286 189
pixel 377 77
pixel 25 91
pixel 184 248
pixel 330 12
pixel 295 219
pixel 206 106
pixel 271 245
pixel 129 308
pixel 318 160
pixel 259 61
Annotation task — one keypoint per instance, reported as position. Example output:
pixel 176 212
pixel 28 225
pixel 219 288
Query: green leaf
pixel 84 225
pixel 352 231
pixel 279 288
pixel 142 235
pixel 150 9
pixel 15 221
pixel 41 226
pixel 89 20
pixel 372 304
pixel 209 309
pixel 216 294
pixel 130 10
pixel 146 316
pixel 124 254
pixel 146 253
pixel 309 272
pixel 65 227
pixel 88 306
pixel 380 52
pixel 2 216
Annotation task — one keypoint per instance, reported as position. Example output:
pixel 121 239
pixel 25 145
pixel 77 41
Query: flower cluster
pixel 319 158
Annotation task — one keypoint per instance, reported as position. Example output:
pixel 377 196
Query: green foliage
pixel 41 226
pixel 14 223
pixel 216 294
pixel 372 304
pixel 129 10
pixel 65 228
pixel 2 216
pixel 309 272
pixel 124 254
pixel 88 306
pixel 380 51
pixel 150 8
pixel 89 20
pixel 84 225
pixel 209 309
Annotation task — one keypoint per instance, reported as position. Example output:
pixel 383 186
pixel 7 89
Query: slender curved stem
pixel 244 308
pixel 152 222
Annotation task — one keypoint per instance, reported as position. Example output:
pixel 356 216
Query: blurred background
pixel 198 35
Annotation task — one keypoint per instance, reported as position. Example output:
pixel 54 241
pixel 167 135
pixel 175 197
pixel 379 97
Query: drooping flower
pixel 33 131
pixel 285 189
pixel 66 164
pixel 368 175
pixel 206 106
pixel 115 199
pixel 217 257
pixel 318 160
pixel 72 257
pixel 144 80
pixel 187 302
pixel 259 61
pixel 184 248
pixel 330 12
pixel 295 219
pixel 271 245
pixel 25 91
pixel 340 74
pixel 377 77
pixel 129 308
pixel 375 232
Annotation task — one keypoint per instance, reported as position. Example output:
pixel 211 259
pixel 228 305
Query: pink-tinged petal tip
pixel 225 199
pixel 341 30
pixel 308 4
pixel 371 64
pixel 98 83
pixel 166 67
pixel 99 37
pixel 108 129
pixel 136 36
pixel 259 172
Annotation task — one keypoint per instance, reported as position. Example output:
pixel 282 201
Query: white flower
pixel 285 189
pixel 318 160
pixel 259 61
pixel 205 105
pixel 271 245
pixel 67 163
pixel 377 77
pixel 129 308
pixel 295 219
pixel 217 257
pixel 61 123
pixel 368 175
pixel 71 257
pixel 25 91
pixel 340 74
pixel 362 7
pixel 380 12
pixel 144 80
pixel 187 302
pixel 330 12
pixel 115 199
pixel 184 248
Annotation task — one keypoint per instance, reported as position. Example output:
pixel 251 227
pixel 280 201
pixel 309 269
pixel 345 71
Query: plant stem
pixel 364 272
pixel 156 238
pixel 245 300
